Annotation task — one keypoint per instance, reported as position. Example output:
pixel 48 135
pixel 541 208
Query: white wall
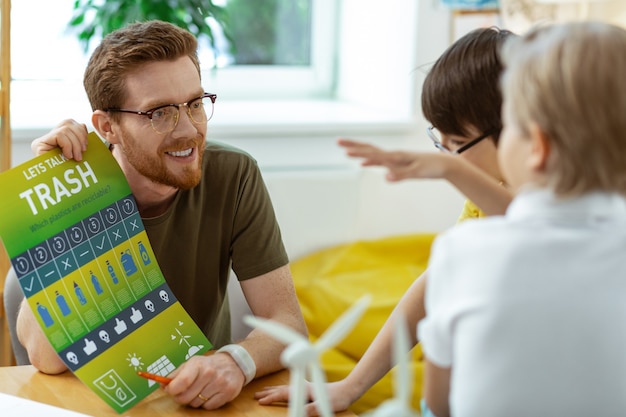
pixel 317 209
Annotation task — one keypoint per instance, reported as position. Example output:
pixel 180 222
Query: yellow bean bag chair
pixel 328 282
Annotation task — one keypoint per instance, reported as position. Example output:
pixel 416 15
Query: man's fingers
pixel 69 135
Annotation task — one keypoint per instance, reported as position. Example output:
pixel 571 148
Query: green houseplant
pixel 256 26
pixel 100 17
pixel 249 26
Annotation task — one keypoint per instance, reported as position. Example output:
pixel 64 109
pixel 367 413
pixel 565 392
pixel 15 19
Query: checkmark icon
pixel 30 286
pixel 100 246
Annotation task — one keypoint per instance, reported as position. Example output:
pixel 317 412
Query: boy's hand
pixel 69 135
pixel 338 396
pixel 401 164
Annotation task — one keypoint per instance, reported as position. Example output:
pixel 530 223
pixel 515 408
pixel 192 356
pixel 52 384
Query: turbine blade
pixel 297 390
pixel 318 378
pixel 343 325
pixel 403 375
pixel 277 330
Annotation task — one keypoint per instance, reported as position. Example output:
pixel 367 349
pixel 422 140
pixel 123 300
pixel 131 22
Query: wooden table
pixel 67 391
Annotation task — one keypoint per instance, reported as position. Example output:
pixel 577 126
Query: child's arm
pixel 374 364
pixel 483 190
pixel 437 388
pixel 376 360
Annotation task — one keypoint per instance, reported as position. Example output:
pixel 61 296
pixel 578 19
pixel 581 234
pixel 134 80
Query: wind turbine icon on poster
pixel 400 405
pixel 301 355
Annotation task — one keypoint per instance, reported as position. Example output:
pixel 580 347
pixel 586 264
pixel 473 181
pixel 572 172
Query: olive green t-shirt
pixel 227 220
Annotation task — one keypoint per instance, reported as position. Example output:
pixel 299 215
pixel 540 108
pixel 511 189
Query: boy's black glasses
pixel 164 119
pixel 434 136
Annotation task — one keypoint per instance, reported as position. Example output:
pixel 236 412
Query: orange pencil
pixel 158 378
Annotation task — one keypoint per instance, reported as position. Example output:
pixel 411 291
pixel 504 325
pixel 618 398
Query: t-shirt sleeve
pixel 257 247
pixel 435 330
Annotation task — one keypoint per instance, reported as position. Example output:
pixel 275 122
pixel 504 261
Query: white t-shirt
pixel 529 309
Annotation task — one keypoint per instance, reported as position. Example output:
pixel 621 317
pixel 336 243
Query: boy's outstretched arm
pixel 478 186
pixel 490 195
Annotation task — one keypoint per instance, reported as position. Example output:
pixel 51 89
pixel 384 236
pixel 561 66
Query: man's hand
pixel 206 382
pixel 69 135
pixel 209 382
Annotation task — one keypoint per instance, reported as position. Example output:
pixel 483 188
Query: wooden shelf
pixel 464 12
pixel 6 354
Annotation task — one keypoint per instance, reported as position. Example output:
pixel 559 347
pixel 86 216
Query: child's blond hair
pixel 570 80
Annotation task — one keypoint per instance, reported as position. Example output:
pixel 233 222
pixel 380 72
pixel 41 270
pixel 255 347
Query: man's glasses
pixel 164 119
pixel 435 136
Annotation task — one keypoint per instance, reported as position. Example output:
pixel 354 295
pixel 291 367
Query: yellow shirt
pixel 470 211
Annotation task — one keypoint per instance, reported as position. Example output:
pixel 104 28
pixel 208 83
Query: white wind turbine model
pixel 301 355
pixel 400 405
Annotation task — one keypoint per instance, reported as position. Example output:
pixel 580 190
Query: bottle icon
pixel 65 309
pixel 112 272
pixel 44 314
pixel 144 253
pixel 79 294
pixel 128 263
pixel 96 283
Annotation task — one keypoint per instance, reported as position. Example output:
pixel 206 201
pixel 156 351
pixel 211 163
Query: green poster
pixel 86 267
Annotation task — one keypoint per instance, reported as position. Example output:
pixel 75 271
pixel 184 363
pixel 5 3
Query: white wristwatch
pixel 242 358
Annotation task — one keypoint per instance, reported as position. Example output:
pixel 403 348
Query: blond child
pixel 528 308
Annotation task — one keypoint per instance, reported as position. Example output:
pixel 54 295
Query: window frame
pixel 240 82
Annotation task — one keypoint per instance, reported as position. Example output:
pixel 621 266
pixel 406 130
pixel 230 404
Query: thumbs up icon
pixel 90 347
pixel 136 316
pixel 120 326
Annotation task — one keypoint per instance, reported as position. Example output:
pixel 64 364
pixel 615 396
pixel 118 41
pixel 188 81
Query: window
pixel 289 61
